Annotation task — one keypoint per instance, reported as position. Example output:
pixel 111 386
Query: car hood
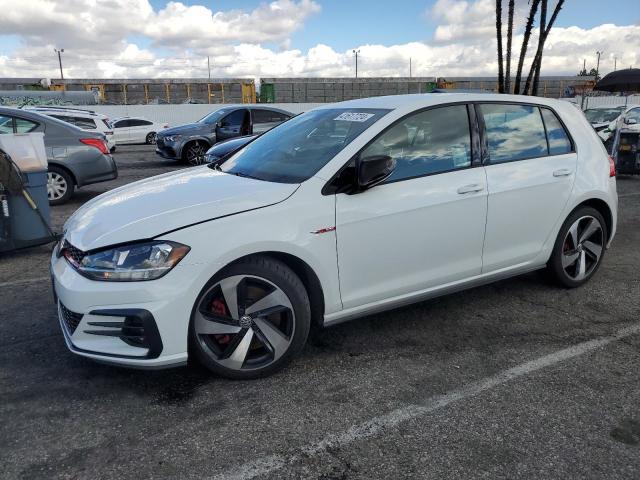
pixel 184 129
pixel 157 205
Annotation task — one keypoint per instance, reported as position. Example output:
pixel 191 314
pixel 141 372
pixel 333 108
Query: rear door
pixel 530 164
pixel 424 226
pixel 265 119
pixel 121 131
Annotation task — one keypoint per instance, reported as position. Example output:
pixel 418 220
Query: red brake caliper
pixel 219 308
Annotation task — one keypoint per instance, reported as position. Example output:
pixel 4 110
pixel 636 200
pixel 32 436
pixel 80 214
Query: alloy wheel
pixel 151 139
pixel 244 322
pixel 195 154
pixel 582 248
pixel 56 186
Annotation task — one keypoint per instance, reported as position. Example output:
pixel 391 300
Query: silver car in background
pixel 76 157
pixel 190 142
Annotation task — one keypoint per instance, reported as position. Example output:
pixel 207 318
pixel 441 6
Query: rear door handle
pixel 473 188
pixel 563 172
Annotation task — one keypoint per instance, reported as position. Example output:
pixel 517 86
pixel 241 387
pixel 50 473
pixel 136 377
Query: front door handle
pixel 563 172
pixel 473 188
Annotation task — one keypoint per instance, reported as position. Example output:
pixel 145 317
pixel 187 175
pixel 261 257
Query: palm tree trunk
pixel 534 64
pixel 538 58
pixel 507 76
pixel 525 43
pixel 499 37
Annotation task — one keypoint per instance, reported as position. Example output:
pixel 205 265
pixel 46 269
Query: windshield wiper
pixel 241 174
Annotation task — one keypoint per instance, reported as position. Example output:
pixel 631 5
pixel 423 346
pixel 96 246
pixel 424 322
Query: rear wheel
pixel 251 319
pixel 151 138
pixel 59 185
pixel 193 153
pixel 579 248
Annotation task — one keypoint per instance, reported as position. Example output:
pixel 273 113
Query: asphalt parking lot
pixel 518 379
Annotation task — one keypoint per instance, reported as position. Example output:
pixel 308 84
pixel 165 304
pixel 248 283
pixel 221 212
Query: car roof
pixel 420 100
pixel 70 112
pixel 41 118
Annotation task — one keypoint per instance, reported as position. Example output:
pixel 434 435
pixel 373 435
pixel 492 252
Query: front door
pixel 424 226
pixel 530 174
pixel 232 124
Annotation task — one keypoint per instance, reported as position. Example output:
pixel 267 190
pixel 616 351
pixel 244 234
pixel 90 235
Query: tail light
pixel 97 143
pixel 612 167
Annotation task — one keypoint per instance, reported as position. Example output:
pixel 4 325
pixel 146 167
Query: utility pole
pixel 598 65
pixel 209 67
pixel 615 63
pixel 356 52
pixel 409 67
pixel 60 61
pixel 584 66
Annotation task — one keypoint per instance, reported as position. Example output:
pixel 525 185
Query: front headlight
pixel 130 263
pixel 173 138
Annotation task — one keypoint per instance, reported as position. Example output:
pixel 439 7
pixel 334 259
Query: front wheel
pixel 194 153
pixel 579 248
pixel 151 138
pixel 251 319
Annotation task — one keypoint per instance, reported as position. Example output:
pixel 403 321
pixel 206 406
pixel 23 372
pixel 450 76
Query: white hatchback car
pixel 137 130
pixel 83 119
pixel 345 210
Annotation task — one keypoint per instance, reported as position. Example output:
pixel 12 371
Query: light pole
pixel 209 67
pixel 356 52
pixel 60 61
pixel 598 65
pixel 615 63
pixel 409 67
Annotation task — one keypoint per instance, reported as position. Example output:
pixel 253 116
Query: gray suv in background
pixel 76 157
pixel 189 143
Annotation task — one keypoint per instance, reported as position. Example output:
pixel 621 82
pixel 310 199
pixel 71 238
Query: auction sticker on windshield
pixel 354 116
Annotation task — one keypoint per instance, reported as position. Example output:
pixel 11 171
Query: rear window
pixel 514 132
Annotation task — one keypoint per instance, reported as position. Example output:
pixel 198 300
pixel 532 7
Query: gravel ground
pixel 518 379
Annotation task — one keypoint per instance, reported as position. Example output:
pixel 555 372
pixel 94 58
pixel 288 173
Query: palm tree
pixel 499 36
pixel 525 43
pixel 544 33
pixel 507 79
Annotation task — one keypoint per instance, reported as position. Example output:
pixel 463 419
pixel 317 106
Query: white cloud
pixel 99 37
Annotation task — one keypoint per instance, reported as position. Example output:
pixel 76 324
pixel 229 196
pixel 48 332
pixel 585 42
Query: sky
pixel 293 38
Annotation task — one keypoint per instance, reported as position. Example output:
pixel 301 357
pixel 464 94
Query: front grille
pixel 70 319
pixel 75 253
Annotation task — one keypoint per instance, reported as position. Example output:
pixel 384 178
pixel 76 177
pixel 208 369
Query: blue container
pixel 26 226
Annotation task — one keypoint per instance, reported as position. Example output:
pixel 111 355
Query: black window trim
pixel 486 161
pixel 330 189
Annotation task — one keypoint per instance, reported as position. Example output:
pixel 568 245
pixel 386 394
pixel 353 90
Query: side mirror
pixel 373 170
pixel 630 121
pixel 219 124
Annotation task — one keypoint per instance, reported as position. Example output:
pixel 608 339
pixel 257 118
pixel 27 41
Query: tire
pixel 256 343
pixel 579 249
pixel 151 138
pixel 60 185
pixel 193 153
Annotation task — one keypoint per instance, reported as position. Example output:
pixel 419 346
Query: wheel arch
pixel 307 276
pixel 66 169
pixel 603 208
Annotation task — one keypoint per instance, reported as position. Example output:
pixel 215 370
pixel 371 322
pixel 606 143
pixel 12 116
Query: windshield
pixel 602 115
pixel 295 150
pixel 213 117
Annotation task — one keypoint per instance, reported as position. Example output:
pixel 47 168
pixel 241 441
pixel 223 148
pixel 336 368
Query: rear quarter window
pixel 559 141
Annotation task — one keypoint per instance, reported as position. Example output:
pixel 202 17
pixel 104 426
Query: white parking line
pixel 23 282
pixel 273 463
pixel 629 195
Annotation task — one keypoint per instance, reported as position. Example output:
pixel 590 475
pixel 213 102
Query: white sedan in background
pixel 136 130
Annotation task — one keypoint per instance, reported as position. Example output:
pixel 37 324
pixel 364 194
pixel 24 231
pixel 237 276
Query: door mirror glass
pixel 631 121
pixel 373 170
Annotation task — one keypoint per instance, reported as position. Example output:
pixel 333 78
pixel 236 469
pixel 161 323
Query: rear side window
pixel 425 143
pixel 513 132
pixel 559 141
pixel 268 116
pixel 84 123
pixel 25 126
pixel 107 124
pixel 138 123
pixel 6 124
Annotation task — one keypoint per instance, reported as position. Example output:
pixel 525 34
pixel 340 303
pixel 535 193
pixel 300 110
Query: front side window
pixel 6 124
pixel 213 117
pixel 425 143
pixel 633 114
pixel 234 119
pixel 559 142
pixel 297 149
pixel 513 132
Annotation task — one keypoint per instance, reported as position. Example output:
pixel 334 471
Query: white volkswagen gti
pixel 345 210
